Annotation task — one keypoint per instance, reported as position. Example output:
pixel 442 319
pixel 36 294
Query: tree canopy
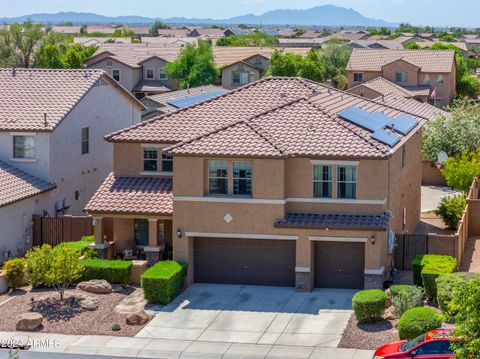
pixel 256 38
pixel 195 66
pixel 156 26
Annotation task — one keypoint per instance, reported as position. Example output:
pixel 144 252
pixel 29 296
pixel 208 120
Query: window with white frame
pixel 167 163
pixel 150 74
pixel 24 147
pixel 346 182
pixel 357 77
pixel 242 178
pixel 150 159
pixel 161 74
pixel 322 181
pixel 217 177
pixel 116 74
pixel 85 140
pixel 244 78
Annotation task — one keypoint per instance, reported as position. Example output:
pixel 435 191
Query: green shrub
pixel 15 272
pixel 162 282
pixel 406 297
pixel 446 284
pixel 39 262
pixel 80 246
pixel 116 327
pixel 369 305
pixel 431 271
pixel 113 271
pixel 451 210
pixel 417 321
pixel 422 260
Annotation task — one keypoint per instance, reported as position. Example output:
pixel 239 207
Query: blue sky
pixel 435 12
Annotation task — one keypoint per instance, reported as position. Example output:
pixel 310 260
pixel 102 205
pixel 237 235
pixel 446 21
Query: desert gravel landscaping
pixel 67 317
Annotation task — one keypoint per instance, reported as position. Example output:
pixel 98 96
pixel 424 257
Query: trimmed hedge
pixel 80 246
pixel 369 305
pixel 113 271
pixel 163 281
pixel 15 270
pixel 417 321
pixel 430 273
pixel 446 284
pixel 421 261
pixel 396 289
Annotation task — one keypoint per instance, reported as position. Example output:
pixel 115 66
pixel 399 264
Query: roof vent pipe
pixel 45 122
pixel 85 71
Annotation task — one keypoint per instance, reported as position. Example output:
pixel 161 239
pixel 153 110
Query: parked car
pixel 436 344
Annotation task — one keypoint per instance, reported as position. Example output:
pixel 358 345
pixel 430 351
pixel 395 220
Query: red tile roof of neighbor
pixel 385 87
pixel 413 106
pixel 273 117
pixel 16 185
pixel 137 195
pixel 26 95
pixel 436 61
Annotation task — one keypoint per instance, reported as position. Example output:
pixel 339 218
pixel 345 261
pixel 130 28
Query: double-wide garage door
pixel 339 264
pixel 244 261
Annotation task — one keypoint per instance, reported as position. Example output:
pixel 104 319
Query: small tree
pixel 465 303
pixel 157 25
pixel 39 261
pixel 459 172
pixel 194 67
pixel 65 269
pixel 451 210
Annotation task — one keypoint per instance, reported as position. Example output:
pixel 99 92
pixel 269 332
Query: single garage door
pixel 244 261
pixel 339 264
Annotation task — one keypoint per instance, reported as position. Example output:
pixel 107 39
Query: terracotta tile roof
pixel 66 29
pixel 173 32
pixel 16 185
pixel 385 87
pixel 152 86
pixel 208 31
pixel 413 106
pixel 431 61
pixel 137 195
pixel 333 221
pixel 387 44
pixel 225 55
pixel 27 94
pixel 274 117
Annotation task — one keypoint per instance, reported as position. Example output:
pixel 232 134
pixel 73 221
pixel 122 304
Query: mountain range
pixel 326 15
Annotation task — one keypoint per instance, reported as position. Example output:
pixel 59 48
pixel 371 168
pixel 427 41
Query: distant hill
pixel 327 15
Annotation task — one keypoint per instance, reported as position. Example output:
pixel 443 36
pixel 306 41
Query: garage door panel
pixel 244 261
pixel 339 264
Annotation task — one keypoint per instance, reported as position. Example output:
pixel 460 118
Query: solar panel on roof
pixel 381 118
pixel 388 138
pixel 361 118
pixel 404 124
pixel 192 100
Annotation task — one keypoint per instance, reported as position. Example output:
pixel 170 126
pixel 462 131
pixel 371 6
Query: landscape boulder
pixel 97 286
pixel 88 303
pixel 138 318
pixel 389 314
pixel 29 321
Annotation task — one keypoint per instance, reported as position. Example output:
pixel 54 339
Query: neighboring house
pixel 410 105
pixel 379 87
pixel 236 31
pixel 211 33
pixel 140 68
pixel 282 182
pixel 140 31
pixel 301 42
pixel 271 32
pixel 377 44
pixel 66 30
pixel 169 41
pixel 408 69
pixel 96 41
pixel 173 32
pixel 426 36
pixel 171 101
pixel 241 65
pixel 52 124
pixel 473 44
pixel 101 29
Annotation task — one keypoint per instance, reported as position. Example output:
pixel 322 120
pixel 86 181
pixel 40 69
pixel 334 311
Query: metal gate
pixel 408 247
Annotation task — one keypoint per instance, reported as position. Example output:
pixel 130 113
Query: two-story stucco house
pixel 429 75
pixel 281 182
pixel 52 153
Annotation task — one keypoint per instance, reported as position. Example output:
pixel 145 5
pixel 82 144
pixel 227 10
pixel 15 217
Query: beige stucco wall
pixel 156 64
pixel 365 92
pixel 367 76
pixel 129 77
pixel 390 70
pixel 128 158
pixel 227 74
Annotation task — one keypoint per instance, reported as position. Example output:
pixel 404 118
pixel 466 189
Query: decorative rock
pixel 117 288
pixel 29 321
pixel 388 303
pixel 389 314
pixel 88 303
pixel 134 303
pixel 138 318
pixel 97 286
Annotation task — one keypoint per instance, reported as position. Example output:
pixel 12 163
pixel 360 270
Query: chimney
pixel 85 71
pixel 45 122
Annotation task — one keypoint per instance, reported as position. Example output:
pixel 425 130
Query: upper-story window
pixel 322 181
pixel 357 77
pixel 150 74
pixel 440 80
pixel 109 63
pixel 242 178
pixel 217 177
pixel 240 78
pixel 150 159
pixel 116 74
pixel 23 147
pixel 401 77
pixel 426 79
pixel 85 140
pixel 167 163
pixel 161 74
pixel 346 182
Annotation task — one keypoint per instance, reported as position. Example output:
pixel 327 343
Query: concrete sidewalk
pixel 168 348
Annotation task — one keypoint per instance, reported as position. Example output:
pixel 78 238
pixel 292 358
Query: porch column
pixel 153 252
pixel 98 230
pixel 153 232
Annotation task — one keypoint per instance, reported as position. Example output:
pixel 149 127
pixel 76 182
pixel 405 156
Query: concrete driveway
pixel 226 314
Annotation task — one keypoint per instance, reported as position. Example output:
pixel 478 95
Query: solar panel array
pixel 378 123
pixel 193 100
